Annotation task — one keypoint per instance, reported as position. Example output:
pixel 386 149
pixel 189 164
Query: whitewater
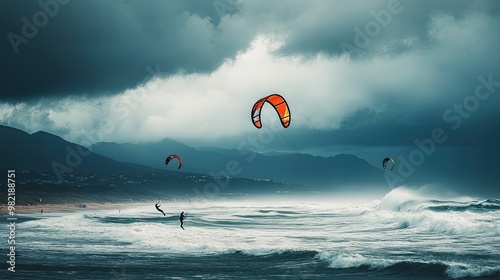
pixel 400 236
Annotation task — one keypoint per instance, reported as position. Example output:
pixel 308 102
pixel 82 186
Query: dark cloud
pixel 95 47
pixel 103 47
pixel 368 28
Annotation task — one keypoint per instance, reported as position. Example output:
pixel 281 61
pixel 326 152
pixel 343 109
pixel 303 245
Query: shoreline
pixel 65 207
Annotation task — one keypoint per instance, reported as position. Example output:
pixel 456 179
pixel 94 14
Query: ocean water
pixel 400 236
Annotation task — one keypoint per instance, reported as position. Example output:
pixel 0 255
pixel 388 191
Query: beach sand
pixel 66 207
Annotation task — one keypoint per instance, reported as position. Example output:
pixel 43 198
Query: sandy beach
pixel 66 207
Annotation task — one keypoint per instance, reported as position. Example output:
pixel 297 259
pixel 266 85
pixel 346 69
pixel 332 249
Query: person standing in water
pixel 181 218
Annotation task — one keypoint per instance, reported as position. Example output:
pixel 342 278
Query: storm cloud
pixel 362 73
pixel 101 48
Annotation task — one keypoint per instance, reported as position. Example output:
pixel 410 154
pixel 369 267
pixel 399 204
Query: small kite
pixel 170 157
pixel 384 163
pixel 279 104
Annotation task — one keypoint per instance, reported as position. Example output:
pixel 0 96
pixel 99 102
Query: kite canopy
pixel 279 104
pixel 170 157
pixel 384 163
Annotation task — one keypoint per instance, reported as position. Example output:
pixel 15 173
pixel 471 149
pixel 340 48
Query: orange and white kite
pixel 278 103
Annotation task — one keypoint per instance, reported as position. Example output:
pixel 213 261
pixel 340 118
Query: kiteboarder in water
pixel 158 208
pixel 181 218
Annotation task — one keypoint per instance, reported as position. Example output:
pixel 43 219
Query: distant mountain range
pixel 42 151
pixel 467 169
pixel 46 152
pixel 85 176
pixel 474 170
pixel 330 172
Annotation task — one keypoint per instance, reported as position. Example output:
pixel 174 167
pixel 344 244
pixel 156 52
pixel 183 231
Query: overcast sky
pixel 369 73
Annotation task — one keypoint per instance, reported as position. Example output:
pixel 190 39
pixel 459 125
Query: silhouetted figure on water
pixel 181 218
pixel 158 208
